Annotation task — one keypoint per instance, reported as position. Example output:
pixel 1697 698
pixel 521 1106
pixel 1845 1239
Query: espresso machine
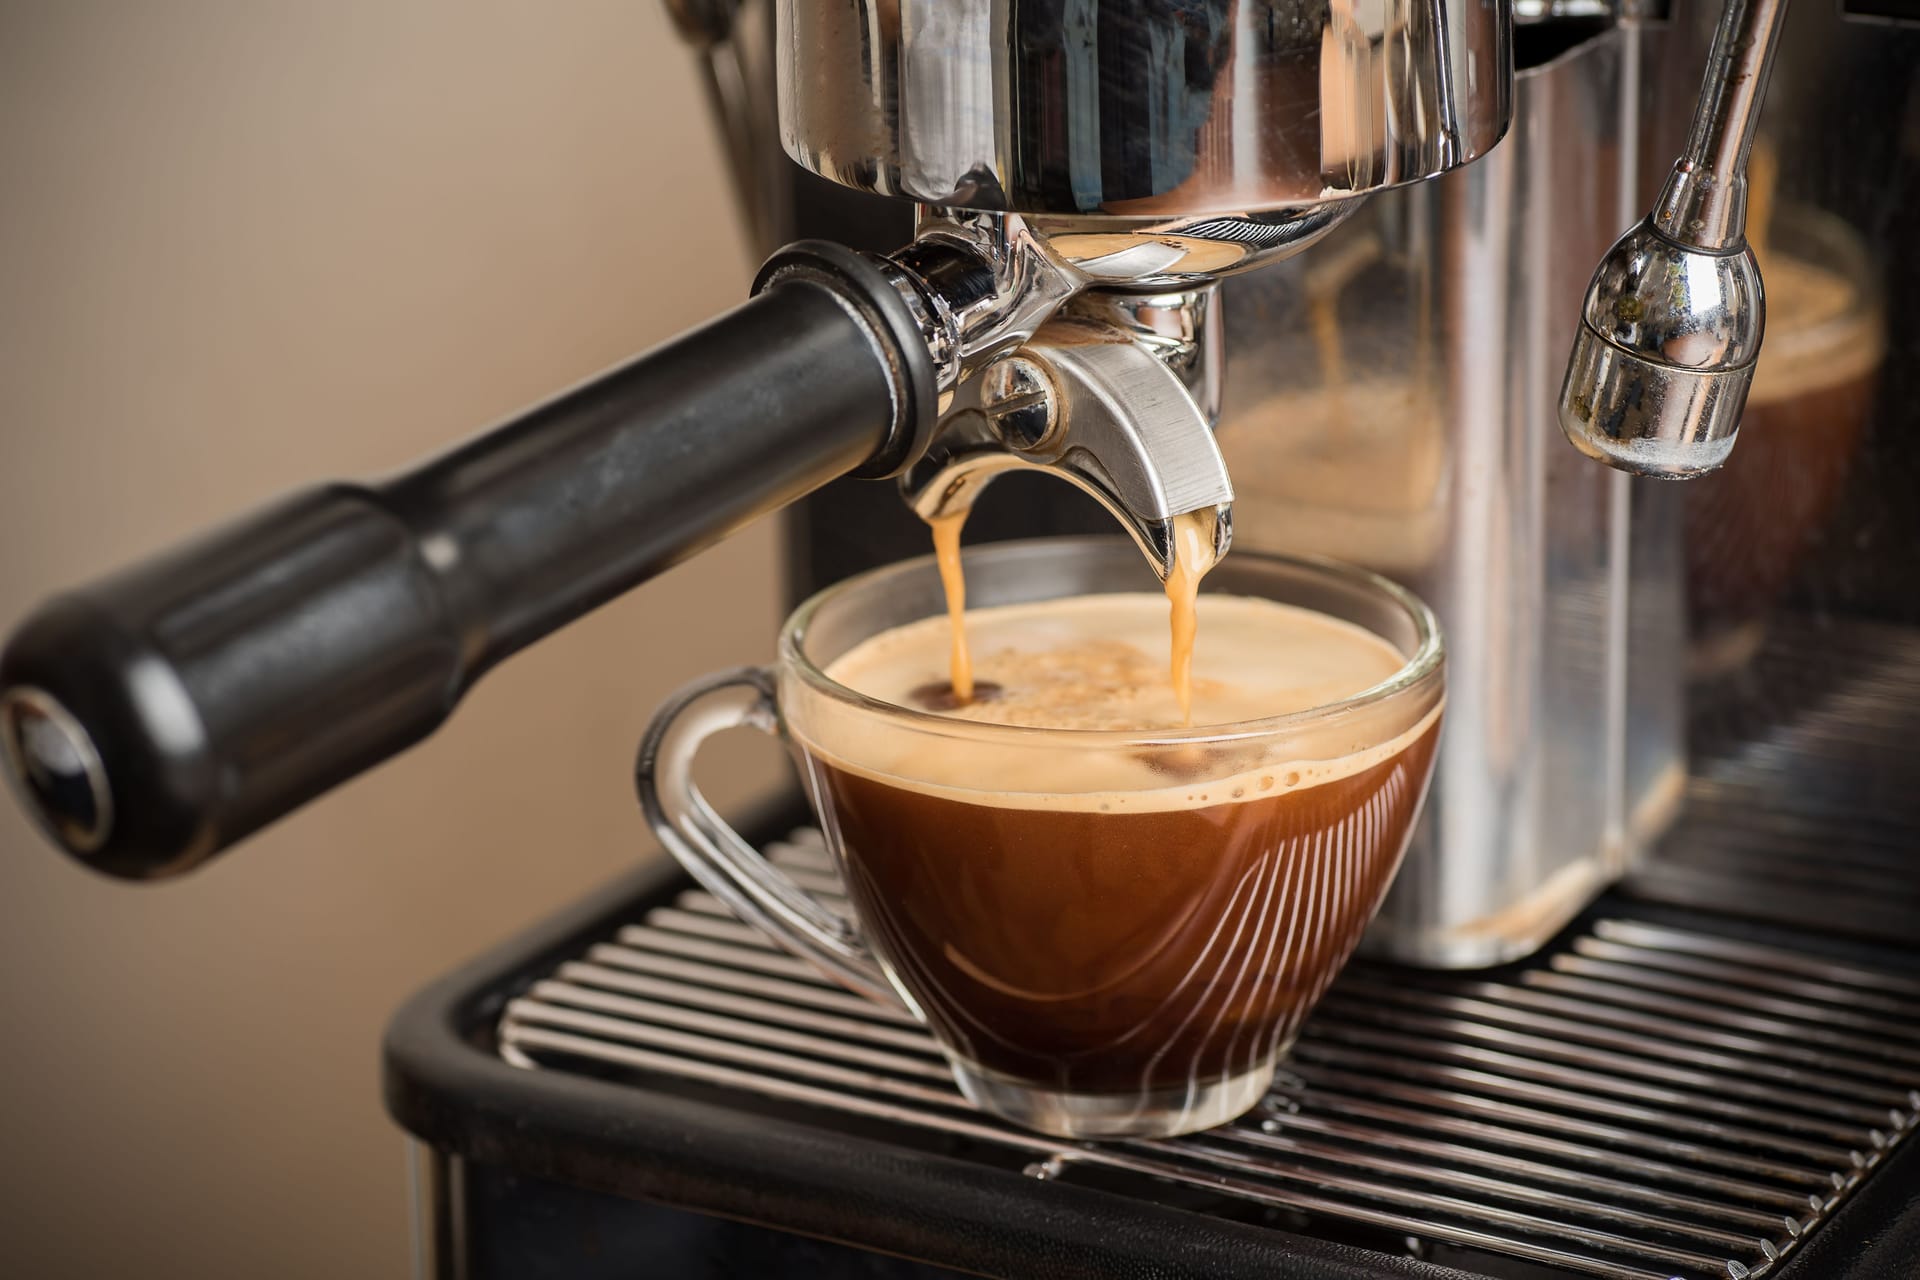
pixel 1476 293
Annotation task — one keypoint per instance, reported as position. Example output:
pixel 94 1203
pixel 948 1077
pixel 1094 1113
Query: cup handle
pixel 715 855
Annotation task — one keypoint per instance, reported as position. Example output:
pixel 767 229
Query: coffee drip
pixel 1194 553
pixel 953 579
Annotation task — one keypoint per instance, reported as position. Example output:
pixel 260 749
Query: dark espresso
pixel 1146 920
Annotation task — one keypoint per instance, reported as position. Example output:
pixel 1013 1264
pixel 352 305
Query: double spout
pixel 1089 349
pixel 1087 402
pixel 1114 393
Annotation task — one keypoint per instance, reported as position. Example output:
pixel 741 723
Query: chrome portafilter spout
pixel 1673 320
pixel 1100 363
pixel 1086 401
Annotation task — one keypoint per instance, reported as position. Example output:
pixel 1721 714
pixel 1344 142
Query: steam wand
pixel 1673 320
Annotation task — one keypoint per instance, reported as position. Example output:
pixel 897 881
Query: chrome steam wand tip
pixel 1672 322
pixel 1664 355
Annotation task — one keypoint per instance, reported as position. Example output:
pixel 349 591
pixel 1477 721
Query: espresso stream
pixel 953 578
pixel 1194 554
pixel 1138 921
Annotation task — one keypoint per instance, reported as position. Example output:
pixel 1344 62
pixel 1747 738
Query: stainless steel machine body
pixel 1598 623
pixel 1386 398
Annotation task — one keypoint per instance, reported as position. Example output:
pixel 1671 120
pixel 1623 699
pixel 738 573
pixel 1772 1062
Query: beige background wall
pixel 245 244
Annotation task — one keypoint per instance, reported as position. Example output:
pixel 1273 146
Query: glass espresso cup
pixel 1123 933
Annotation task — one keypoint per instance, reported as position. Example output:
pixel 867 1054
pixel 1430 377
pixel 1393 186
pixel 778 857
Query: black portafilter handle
pixel 158 715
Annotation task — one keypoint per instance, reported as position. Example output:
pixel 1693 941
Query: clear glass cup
pixel 1125 942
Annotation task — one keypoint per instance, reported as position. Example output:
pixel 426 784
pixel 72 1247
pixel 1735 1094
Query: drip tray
pixel 1642 1101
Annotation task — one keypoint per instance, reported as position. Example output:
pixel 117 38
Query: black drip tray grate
pixel 1641 1102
